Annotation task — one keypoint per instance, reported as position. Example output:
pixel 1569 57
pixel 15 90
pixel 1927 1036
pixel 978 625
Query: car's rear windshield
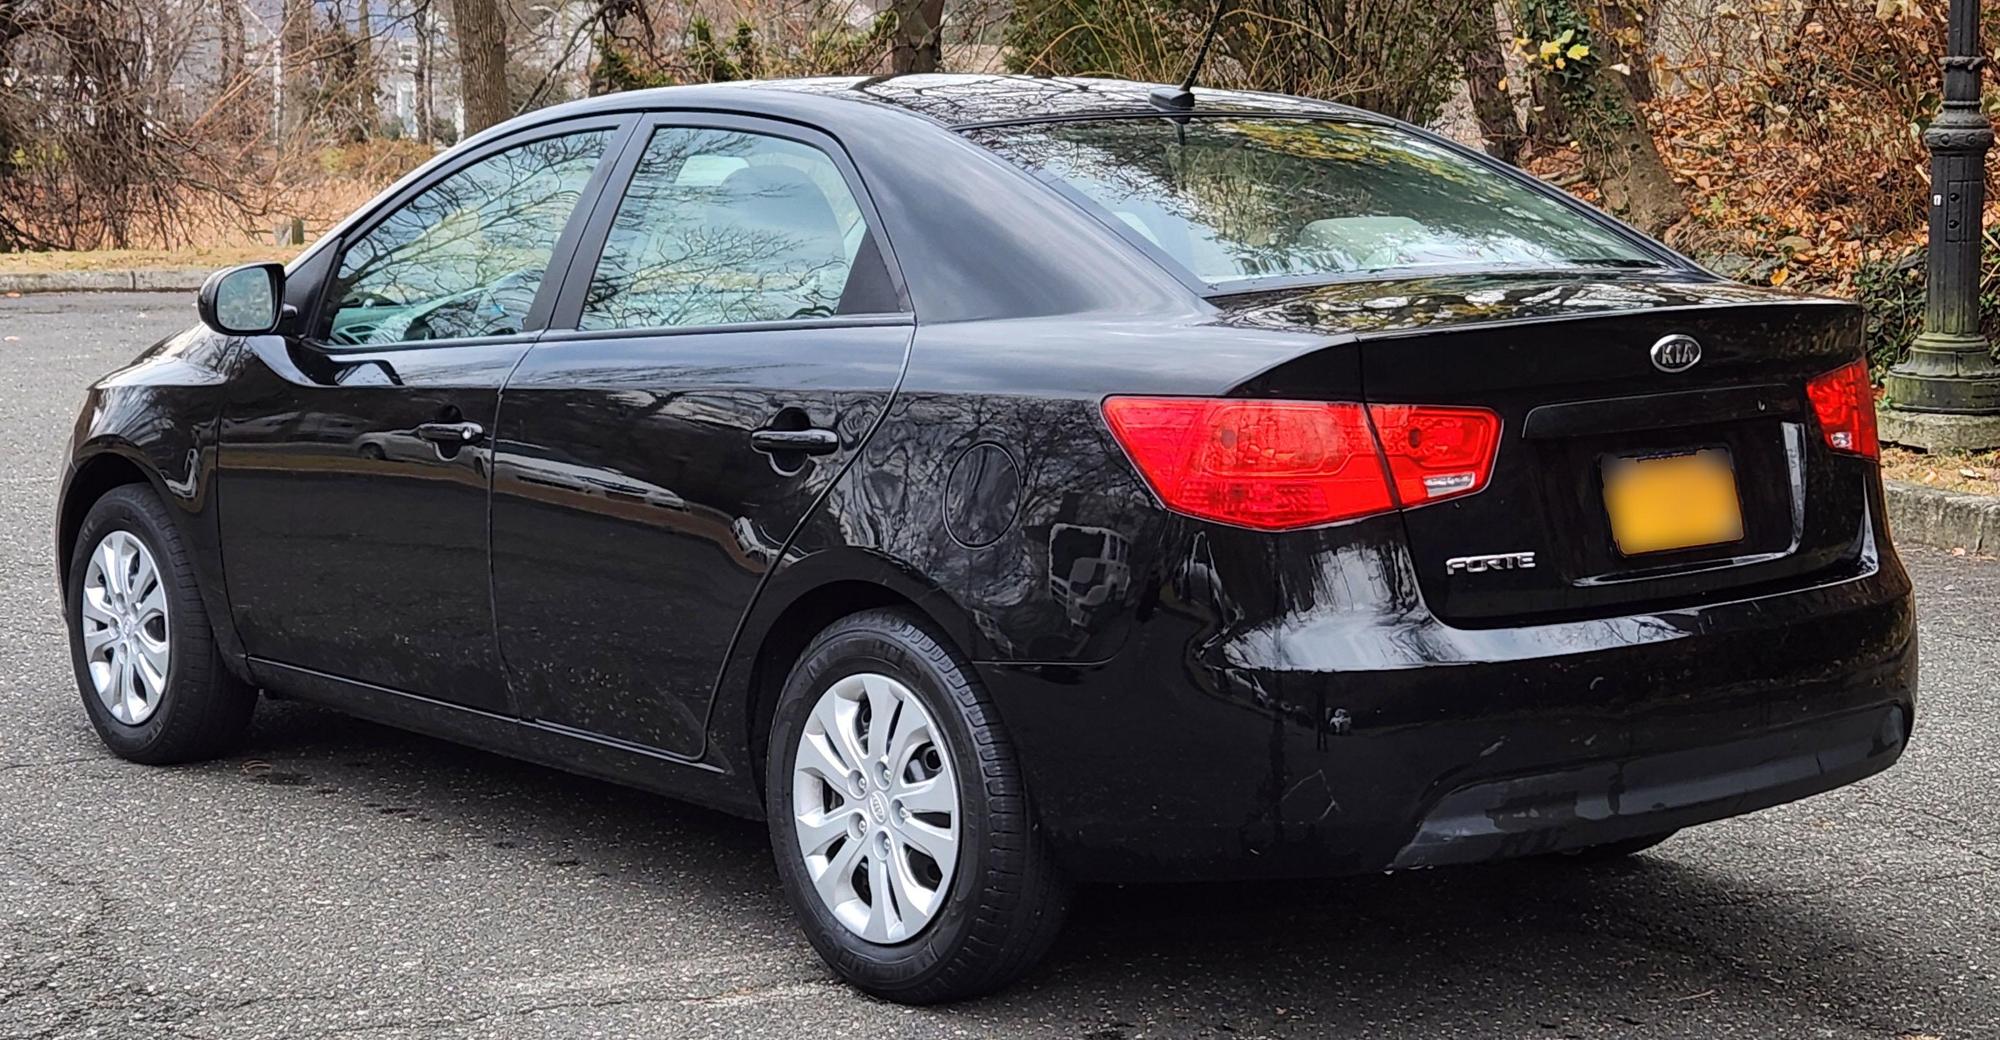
pixel 1241 202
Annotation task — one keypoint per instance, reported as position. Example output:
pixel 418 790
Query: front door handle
pixel 804 442
pixel 451 434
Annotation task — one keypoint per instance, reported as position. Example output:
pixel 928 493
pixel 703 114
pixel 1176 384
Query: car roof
pixel 961 99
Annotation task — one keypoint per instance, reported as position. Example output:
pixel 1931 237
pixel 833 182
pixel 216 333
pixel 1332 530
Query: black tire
pixel 1615 850
pixel 1006 900
pixel 203 709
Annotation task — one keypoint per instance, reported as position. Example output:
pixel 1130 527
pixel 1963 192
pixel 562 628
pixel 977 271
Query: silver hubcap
pixel 875 806
pixel 124 621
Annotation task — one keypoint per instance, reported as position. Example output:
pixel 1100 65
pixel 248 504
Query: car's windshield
pixel 1248 200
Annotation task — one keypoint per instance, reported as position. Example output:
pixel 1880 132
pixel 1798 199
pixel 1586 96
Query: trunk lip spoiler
pixel 1442 328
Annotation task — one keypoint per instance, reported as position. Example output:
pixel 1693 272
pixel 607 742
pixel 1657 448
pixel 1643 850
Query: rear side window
pixel 720 227
pixel 1238 201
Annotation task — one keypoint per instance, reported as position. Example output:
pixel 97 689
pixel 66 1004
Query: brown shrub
pixel 1799 133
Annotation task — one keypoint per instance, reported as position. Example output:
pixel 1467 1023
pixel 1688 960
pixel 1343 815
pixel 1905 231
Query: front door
pixel 703 382
pixel 355 455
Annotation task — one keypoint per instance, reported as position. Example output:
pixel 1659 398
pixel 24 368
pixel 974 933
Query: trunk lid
pixel 1567 362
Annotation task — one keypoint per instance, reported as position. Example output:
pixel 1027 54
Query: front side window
pixel 466 257
pixel 1243 200
pixel 720 227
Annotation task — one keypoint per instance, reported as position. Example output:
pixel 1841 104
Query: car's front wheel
pixel 153 683
pixel 900 823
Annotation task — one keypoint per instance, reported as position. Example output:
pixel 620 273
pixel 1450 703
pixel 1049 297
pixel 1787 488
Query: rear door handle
pixel 805 442
pixel 452 434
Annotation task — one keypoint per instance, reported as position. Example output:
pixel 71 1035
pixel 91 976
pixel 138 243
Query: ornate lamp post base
pixel 1940 431
pixel 1947 395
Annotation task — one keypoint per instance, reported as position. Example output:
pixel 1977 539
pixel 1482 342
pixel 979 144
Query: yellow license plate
pixel 1669 502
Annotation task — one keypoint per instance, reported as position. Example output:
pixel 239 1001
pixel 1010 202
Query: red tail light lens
pixel 1434 452
pixel 1279 465
pixel 1269 465
pixel 1844 400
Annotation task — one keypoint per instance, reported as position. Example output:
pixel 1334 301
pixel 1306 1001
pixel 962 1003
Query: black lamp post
pixel 1946 396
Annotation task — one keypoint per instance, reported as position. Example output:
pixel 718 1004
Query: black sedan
pixel 1001 483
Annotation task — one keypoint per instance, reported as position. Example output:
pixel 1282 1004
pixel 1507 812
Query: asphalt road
pixel 342 879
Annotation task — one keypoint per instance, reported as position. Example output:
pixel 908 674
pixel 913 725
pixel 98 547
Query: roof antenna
pixel 1182 98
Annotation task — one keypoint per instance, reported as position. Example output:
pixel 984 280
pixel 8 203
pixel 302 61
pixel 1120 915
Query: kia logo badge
pixel 1676 353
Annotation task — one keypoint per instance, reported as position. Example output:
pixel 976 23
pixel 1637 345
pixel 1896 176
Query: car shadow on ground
pixel 1504 949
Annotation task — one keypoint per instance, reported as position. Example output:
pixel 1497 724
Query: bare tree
pixel 482 62
pixel 426 102
pixel 1397 57
pixel 1619 154
pixel 295 45
pixel 1628 28
pixel 231 42
pixel 918 42
pixel 1486 81
pixel 365 68
pixel 114 158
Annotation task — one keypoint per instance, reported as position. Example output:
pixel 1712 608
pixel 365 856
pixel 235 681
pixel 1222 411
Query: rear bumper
pixel 1594 803
pixel 1344 741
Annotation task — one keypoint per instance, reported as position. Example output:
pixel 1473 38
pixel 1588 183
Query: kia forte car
pixel 999 484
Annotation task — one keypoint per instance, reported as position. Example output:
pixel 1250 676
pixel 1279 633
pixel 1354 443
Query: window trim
pixel 882 320
pixel 1669 260
pixel 319 322
pixel 568 310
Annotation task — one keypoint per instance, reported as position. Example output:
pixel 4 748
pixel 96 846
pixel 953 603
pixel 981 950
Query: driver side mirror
pixel 243 301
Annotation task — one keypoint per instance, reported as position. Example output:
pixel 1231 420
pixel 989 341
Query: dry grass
pixel 1977 473
pixel 319 188
pixel 321 199
pixel 128 259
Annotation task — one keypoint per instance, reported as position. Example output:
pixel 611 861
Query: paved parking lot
pixel 341 879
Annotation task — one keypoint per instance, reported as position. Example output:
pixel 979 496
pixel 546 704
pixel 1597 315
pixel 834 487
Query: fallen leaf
pixel 1778 276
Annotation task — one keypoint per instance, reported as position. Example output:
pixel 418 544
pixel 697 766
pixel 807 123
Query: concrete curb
pixel 1945 519
pixel 143 279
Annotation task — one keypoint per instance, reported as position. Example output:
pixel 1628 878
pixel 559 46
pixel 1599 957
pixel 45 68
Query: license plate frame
pixel 1658 503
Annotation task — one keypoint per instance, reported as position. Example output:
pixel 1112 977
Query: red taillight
pixel 1277 465
pixel 1844 400
pixel 1436 452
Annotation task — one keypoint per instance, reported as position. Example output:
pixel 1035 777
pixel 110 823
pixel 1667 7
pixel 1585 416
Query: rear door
pixel 1597 420
pixel 355 455
pixel 726 339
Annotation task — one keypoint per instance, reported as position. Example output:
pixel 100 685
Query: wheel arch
pixel 96 475
pixel 107 463
pixel 800 602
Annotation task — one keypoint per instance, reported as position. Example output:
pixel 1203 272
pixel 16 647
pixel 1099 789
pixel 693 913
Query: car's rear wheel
pixel 901 827
pixel 152 680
